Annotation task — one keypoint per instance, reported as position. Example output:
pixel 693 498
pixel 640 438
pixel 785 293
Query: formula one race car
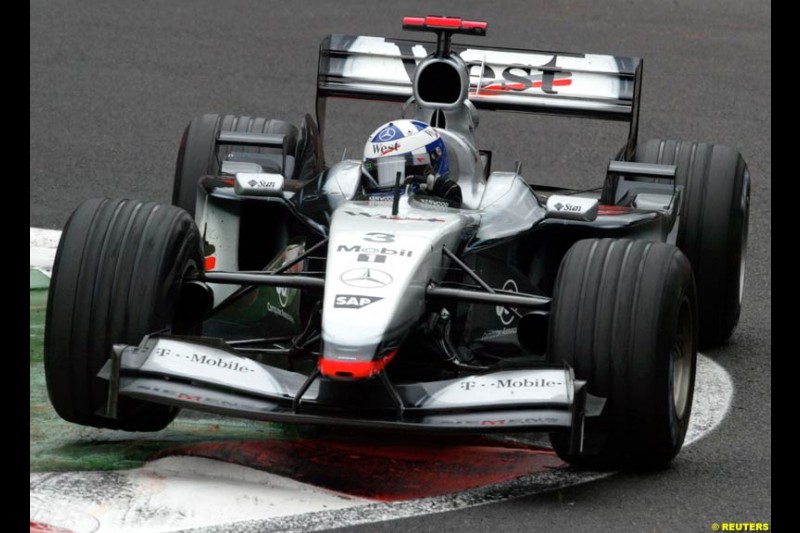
pixel 415 288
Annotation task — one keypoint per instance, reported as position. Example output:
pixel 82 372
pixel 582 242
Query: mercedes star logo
pixel 387 134
pixel 283 295
pixel 506 317
pixel 366 278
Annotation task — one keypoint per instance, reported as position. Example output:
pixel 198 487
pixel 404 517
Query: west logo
pixel 385 148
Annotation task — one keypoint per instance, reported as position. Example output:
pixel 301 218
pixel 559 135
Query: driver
pixel 417 152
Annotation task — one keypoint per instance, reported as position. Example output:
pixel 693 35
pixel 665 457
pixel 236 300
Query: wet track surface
pixel 113 85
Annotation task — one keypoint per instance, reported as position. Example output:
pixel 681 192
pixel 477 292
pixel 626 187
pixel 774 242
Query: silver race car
pixel 413 288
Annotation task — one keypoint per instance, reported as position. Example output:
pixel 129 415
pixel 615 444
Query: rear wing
pixel 500 79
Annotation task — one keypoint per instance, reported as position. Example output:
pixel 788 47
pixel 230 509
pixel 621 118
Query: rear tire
pixel 197 155
pixel 713 226
pixel 623 316
pixel 116 277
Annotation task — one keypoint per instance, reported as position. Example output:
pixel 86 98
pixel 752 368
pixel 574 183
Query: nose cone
pixel 378 268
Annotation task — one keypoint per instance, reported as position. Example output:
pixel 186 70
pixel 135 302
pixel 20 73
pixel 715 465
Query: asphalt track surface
pixel 113 84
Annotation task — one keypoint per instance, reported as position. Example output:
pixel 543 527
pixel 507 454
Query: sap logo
pixel 353 301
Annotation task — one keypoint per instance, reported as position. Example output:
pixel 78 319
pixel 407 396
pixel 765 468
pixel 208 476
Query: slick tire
pixel 117 277
pixel 197 155
pixel 713 226
pixel 623 316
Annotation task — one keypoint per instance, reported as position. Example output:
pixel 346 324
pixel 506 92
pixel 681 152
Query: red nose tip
pixel 336 368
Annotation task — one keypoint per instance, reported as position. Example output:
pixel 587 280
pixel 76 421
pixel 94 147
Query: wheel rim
pixel 179 323
pixel 681 359
pixel 745 207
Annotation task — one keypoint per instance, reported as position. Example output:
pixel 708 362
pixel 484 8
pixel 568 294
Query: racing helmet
pixel 410 147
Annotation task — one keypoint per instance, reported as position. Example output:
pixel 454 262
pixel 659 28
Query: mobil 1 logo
pixel 353 301
pixel 373 254
pixel 371 258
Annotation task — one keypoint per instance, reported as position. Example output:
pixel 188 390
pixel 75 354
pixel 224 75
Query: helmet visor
pixel 384 170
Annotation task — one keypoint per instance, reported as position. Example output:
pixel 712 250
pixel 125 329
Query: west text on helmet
pixel 385 148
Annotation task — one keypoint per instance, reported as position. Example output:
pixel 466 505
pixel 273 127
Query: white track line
pixel 203 495
pixel 43 248
pixel 173 493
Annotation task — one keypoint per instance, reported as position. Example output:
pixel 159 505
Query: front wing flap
pixel 207 375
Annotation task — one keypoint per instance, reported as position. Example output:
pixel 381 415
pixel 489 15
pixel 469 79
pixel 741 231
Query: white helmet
pixel 410 147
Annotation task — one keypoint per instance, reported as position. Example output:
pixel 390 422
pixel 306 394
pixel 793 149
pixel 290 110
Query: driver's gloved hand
pixel 447 189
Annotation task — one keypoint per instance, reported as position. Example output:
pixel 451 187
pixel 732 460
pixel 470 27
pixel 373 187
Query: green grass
pixel 57 445
pixel 38 302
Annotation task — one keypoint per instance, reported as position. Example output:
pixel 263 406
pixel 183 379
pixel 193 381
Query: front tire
pixel 623 317
pixel 116 277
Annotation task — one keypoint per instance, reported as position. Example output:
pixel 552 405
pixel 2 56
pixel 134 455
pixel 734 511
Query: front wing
pixel 208 375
